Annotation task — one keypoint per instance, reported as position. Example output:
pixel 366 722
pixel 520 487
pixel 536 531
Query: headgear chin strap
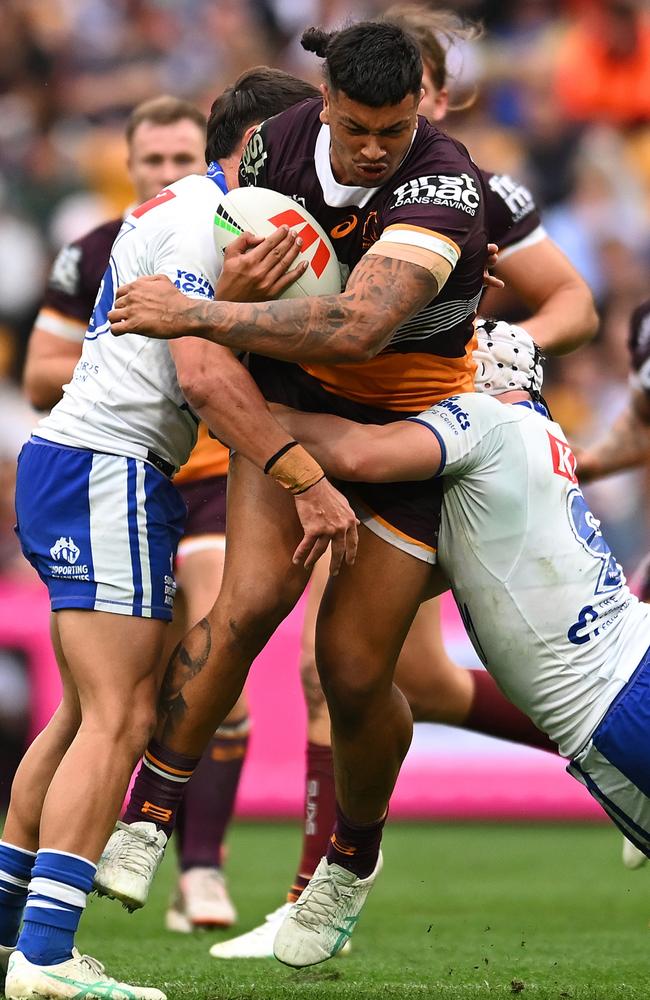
pixel 507 358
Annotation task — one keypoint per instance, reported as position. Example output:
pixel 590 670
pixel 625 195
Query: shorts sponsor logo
pixel 65 548
pixel 66 553
pixel 517 198
pixel 170 591
pixel 254 157
pixel 192 283
pixel 450 190
pixel 461 416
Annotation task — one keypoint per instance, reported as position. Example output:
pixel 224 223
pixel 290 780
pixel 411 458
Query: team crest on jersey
pixel 586 528
pixel 65 270
pixel 518 198
pixel 451 190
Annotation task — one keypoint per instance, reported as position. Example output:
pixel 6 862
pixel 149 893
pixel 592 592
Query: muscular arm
pixel 49 365
pixel 563 314
pixel 354 326
pixel 365 453
pixel 220 390
pixel 625 445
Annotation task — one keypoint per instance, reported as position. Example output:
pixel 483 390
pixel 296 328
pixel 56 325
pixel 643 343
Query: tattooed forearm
pixel 381 295
pixel 187 660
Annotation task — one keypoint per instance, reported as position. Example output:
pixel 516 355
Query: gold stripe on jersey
pixel 395 531
pixel 429 239
pixel 208 458
pixel 57 323
pixel 406 383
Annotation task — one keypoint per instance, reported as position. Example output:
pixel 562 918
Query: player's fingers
pixel 338 552
pixel 317 551
pixel 243 244
pixel 351 544
pixel 286 280
pixel 276 244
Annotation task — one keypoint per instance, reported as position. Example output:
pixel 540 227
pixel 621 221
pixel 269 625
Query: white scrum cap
pixel 507 358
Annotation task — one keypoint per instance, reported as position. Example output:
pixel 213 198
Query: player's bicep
pixel 434 252
pixel 398 452
pixel 385 292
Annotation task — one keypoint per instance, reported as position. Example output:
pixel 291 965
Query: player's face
pixel 367 144
pixel 162 154
pixel 434 102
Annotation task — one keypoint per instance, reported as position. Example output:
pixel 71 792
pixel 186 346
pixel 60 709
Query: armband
pixel 294 468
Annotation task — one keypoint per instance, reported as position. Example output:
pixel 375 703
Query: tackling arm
pixel 354 326
pixel 366 453
pixel 564 316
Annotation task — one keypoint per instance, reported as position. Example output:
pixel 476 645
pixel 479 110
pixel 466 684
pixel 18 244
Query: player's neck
pixel 514 396
pixel 230 167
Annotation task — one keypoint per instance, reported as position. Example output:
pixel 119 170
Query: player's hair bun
pixel 316 40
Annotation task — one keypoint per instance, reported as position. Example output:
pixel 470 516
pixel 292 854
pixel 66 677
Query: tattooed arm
pixel 382 293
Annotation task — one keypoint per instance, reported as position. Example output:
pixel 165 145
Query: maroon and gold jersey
pixel 433 206
pixel 74 282
pixel 639 344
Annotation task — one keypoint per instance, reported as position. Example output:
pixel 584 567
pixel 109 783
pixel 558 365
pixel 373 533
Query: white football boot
pixel 80 976
pixel 5 954
pixel 129 862
pixel 633 858
pixel 320 923
pixel 201 900
pixel 257 943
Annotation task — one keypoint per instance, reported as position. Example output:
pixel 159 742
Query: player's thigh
pixel 199 574
pixel 366 613
pixel 426 674
pixel 113 661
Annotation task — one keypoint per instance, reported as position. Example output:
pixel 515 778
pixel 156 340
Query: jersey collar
pixel 341 195
pixel 215 173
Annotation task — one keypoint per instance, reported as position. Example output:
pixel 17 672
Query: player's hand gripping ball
pixel 261 211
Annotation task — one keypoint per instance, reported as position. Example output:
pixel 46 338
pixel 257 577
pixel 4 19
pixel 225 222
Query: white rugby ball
pixel 261 211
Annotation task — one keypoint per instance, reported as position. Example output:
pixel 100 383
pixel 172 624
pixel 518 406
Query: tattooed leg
pixel 260 586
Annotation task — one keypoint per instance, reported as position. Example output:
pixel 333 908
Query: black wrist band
pixel 273 459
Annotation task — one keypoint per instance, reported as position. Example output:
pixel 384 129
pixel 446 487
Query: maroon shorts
pixel 206 506
pixel 407 515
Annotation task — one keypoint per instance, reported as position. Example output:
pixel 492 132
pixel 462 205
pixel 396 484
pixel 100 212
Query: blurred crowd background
pixel 561 99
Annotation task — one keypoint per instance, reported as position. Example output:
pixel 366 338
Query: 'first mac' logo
pixel 66 549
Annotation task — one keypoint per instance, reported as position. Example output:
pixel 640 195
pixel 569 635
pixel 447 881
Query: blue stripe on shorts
pixel 101 530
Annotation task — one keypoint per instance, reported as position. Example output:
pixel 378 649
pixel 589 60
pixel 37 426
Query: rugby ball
pixel 261 211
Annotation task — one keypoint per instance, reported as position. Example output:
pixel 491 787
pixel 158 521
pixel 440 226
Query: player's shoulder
pixel 83 261
pixel 438 151
pixel 101 237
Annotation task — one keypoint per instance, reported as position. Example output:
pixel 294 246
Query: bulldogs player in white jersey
pixel 99 520
pixel 542 597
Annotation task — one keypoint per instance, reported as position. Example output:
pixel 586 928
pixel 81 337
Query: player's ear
pixel 325 113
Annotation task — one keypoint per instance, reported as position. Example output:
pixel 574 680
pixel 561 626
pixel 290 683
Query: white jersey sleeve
pixel 462 430
pixel 124 396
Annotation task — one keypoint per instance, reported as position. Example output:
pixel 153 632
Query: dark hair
pixel 435 31
pixel 163 110
pixel 258 94
pixel 372 62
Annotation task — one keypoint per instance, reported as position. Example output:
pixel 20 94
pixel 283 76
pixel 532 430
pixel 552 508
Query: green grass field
pixel 460 911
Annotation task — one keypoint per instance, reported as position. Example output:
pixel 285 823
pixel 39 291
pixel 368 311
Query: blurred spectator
pixel 603 64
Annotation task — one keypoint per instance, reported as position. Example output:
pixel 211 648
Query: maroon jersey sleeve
pixel 512 215
pixel 75 279
pixel 639 344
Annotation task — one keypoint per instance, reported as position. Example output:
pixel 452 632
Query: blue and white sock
pixel 15 870
pixel 57 897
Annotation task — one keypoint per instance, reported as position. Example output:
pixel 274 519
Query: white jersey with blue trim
pixel 543 599
pixel 124 395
